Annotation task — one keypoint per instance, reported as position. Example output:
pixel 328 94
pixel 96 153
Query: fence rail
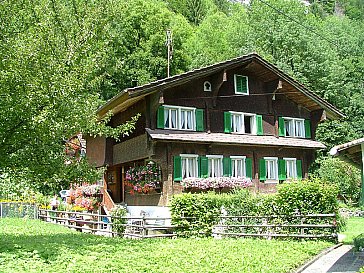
pixel 18 210
pixel 127 226
pixel 272 226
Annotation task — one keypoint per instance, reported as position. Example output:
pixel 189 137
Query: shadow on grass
pixel 49 246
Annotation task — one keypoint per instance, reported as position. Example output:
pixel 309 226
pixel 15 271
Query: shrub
pixel 201 213
pixel 345 176
pixel 304 197
pixel 118 223
pixel 359 242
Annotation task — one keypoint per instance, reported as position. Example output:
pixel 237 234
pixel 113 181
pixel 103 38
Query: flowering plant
pixel 216 182
pixel 85 196
pixel 143 179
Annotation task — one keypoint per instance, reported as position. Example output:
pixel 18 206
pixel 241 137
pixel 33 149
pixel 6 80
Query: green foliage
pixel 303 197
pixel 359 242
pixel 201 212
pixel 345 176
pixel 35 246
pixel 307 197
pixel 118 223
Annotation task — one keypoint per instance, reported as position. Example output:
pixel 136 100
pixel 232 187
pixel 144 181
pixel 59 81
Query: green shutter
pixel 282 172
pixel 249 167
pixel 203 163
pixel 281 129
pixel 177 168
pixel 259 120
pixel 199 120
pixel 226 162
pixel 299 169
pixel 241 84
pixel 160 117
pixel 262 170
pixel 227 122
pixel 307 128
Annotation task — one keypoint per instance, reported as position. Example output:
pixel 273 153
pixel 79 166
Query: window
pixel 268 169
pixel 291 168
pixel 238 122
pixel 243 123
pixel 214 165
pixel 189 165
pixel 207 86
pixel 180 118
pixel 294 127
pixel 170 118
pixel 241 84
pixel 238 166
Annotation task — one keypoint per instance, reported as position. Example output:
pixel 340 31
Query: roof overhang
pixel 232 139
pixel 267 72
pixel 350 152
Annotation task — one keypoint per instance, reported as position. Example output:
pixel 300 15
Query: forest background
pixel 61 59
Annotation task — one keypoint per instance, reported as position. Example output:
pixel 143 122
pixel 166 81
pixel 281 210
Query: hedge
pixel 201 211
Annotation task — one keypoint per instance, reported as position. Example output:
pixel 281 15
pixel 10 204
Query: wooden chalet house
pixel 238 118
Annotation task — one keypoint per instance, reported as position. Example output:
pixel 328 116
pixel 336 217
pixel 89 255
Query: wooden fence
pixel 294 226
pixel 127 226
pixel 18 210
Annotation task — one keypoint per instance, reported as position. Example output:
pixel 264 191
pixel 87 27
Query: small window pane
pixel 248 124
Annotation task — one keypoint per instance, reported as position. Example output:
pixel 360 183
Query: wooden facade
pixel 267 100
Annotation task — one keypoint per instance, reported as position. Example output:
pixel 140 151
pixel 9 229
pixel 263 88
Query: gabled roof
pixel 252 62
pixel 350 151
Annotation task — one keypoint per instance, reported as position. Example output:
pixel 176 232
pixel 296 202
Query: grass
pixel 35 246
pixel 355 226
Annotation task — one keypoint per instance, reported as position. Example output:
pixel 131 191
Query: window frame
pixel 294 160
pixel 207 89
pixel 293 124
pixel 242 115
pixel 236 85
pixel 179 117
pixel 189 156
pixel 276 178
pixel 235 158
pixel 210 166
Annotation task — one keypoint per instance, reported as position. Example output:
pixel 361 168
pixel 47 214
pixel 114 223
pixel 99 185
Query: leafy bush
pixel 201 211
pixel 359 242
pixel 345 176
pixel 306 197
pixel 118 223
pixel 195 214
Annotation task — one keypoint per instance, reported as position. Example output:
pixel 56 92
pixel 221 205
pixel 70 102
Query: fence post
pixel 1 210
pixel 143 226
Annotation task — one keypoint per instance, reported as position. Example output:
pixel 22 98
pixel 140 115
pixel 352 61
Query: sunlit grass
pixel 34 246
pixel 355 226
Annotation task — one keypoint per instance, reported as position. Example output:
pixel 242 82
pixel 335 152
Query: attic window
pixel 207 86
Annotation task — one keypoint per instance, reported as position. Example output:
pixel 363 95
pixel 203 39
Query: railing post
pixel 143 226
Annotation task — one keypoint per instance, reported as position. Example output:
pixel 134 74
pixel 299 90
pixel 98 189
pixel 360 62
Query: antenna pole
pixel 169 51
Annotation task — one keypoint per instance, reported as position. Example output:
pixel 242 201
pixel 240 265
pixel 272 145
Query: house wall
pixel 260 100
pixel 165 151
pixel 223 98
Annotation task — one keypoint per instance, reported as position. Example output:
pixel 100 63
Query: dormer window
pixel 207 86
pixel 241 85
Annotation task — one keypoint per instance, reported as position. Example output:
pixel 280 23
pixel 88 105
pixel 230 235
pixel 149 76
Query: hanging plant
pixel 143 179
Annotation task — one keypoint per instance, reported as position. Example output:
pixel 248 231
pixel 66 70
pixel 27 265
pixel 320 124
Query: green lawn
pixel 34 246
pixel 354 227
